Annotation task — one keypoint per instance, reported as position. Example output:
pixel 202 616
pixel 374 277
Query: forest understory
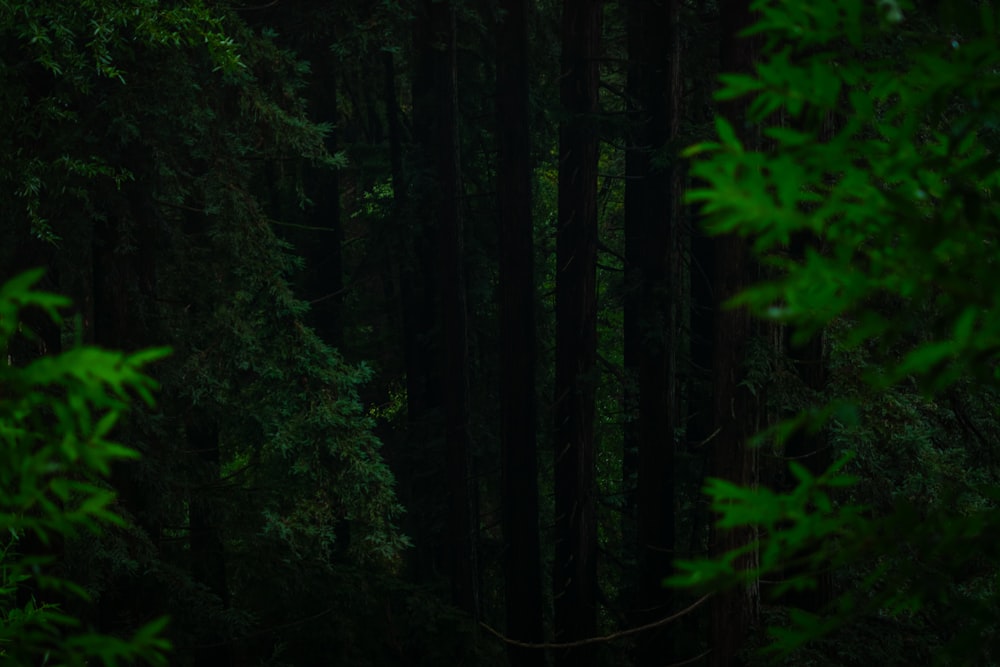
pixel 499 332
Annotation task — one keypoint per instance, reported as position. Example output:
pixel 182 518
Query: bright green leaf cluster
pixel 791 527
pixel 878 138
pixel 880 145
pixel 57 414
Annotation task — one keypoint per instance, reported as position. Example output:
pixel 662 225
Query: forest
pixel 499 332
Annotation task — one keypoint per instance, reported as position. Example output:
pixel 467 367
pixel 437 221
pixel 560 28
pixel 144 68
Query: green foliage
pixel 159 135
pixel 56 418
pixel 795 525
pixel 58 53
pixel 881 139
pixel 882 146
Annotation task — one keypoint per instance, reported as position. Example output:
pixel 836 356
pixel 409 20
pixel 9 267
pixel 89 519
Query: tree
pixel 144 137
pixel 652 197
pixel 575 566
pixel 463 520
pixel 170 163
pixel 208 554
pixel 440 232
pixel 522 557
pixel 734 612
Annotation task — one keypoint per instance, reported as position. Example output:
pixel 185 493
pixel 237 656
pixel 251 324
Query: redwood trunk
pixel 522 558
pixel 575 566
pixel 208 557
pixel 435 101
pixel 736 611
pixel 652 213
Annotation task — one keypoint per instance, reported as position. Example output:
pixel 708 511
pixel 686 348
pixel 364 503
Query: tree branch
pixel 606 638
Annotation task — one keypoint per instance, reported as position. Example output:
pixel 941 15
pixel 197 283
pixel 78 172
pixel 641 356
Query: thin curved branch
pixel 599 640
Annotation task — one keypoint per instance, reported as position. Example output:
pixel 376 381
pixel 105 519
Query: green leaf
pixel 727 136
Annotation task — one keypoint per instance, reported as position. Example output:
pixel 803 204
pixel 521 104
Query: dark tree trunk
pixel 326 252
pixel 110 278
pixel 456 376
pixel 522 558
pixel 733 612
pixel 208 557
pixel 396 268
pixel 435 101
pixel 636 169
pixel 700 417
pixel 394 131
pixel 574 576
pixel 406 242
pixel 420 290
pixel 123 283
pixel 651 218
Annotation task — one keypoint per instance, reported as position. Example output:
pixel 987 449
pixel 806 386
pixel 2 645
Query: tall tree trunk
pixel 121 271
pixel 574 576
pixel 208 557
pixel 404 245
pixel 456 349
pixel 700 417
pixel 636 168
pixel 736 611
pixel 435 100
pixel 651 218
pixel 522 558
pixel 421 279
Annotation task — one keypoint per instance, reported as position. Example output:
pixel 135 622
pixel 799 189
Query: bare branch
pixel 606 638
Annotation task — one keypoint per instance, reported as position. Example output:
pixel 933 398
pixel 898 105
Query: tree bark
pixel 435 101
pixel 420 290
pixel 519 473
pixel 456 348
pixel 120 272
pixel 575 565
pixel 652 195
pixel 208 557
pixel 733 612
